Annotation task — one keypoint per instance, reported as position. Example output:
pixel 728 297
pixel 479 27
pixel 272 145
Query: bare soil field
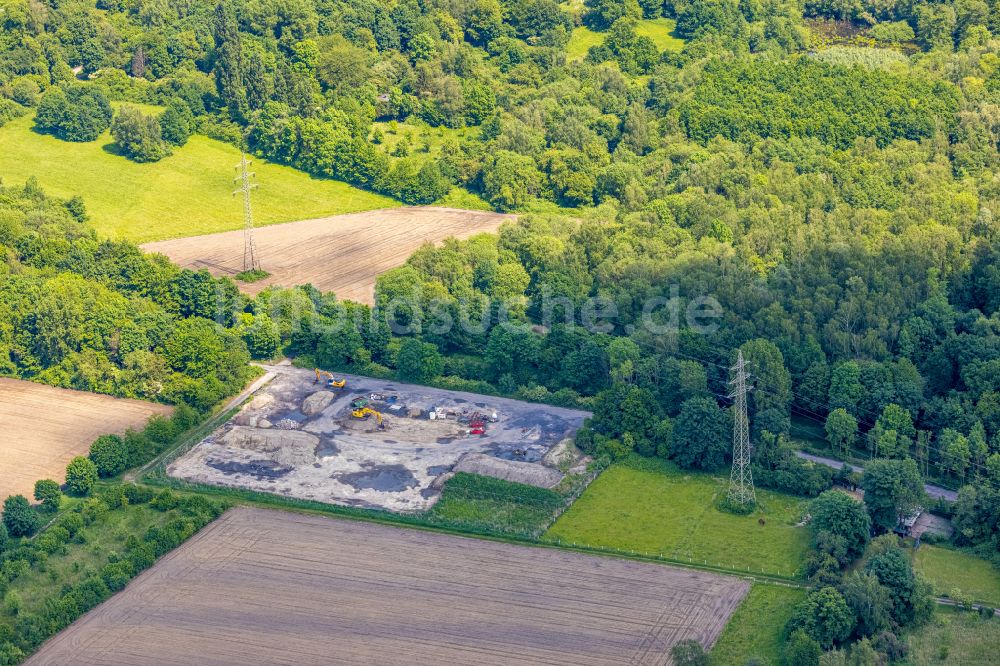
pixel 343 254
pixel 45 427
pixel 299 439
pixel 268 587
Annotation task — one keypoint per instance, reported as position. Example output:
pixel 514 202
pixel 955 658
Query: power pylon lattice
pixel 741 490
pixel 250 260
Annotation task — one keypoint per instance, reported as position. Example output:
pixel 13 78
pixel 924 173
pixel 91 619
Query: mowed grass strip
pixel 756 628
pixel 185 194
pixel 947 569
pixel 660 510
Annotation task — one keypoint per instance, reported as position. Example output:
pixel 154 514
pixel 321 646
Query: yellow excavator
pixel 365 412
pixel 331 381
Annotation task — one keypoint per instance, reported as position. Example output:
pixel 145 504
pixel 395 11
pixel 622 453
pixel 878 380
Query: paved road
pixel 934 492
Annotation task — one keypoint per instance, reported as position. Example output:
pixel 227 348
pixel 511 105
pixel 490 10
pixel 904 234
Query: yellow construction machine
pixel 331 381
pixel 365 412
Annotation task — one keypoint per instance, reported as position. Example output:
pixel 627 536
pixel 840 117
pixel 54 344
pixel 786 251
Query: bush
pixel 892 33
pixel 689 653
pixel 48 493
pixel 72 523
pixel 176 122
pixel 138 136
pixel 81 475
pixel 18 516
pixel 74 113
pixel 109 455
pixel 10 110
pixel 138 494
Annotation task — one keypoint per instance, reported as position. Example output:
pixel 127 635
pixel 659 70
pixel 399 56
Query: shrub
pixel 74 113
pixel 18 516
pixel 81 475
pixel 138 136
pixel 689 653
pixel 109 455
pixel 72 523
pixel 176 122
pixel 138 494
pixel 48 493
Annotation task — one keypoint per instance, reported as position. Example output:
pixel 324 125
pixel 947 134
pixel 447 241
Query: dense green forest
pixel 94 315
pixel 836 201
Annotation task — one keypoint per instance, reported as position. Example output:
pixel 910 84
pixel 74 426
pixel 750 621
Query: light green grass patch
pixel 580 42
pixel 663 511
pixel 661 31
pixel 459 197
pixel 480 503
pixel 185 194
pixel 947 569
pixel 755 629
pixel 424 140
pixel 955 637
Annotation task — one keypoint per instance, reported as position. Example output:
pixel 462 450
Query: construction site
pixel 376 443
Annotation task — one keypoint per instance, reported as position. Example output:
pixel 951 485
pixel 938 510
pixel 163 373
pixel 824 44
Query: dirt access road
pixel 46 427
pixel 268 587
pixel 343 254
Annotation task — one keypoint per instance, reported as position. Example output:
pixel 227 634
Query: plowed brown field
pixel 268 587
pixel 343 254
pixel 42 428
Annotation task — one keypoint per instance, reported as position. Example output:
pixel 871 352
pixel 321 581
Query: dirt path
pixel 343 254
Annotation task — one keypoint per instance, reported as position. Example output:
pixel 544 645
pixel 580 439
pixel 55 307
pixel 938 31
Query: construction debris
pixel 509 470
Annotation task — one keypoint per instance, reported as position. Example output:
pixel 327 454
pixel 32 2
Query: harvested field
pixel 45 427
pixel 343 254
pixel 269 587
pixel 297 439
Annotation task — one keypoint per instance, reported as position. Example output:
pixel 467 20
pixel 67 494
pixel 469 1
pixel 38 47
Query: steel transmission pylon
pixel 741 489
pixel 250 260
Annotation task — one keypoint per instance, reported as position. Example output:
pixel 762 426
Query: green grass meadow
pixel 660 30
pixel 755 629
pixel 947 569
pixel 187 193
pixel 955 637
pixel 652 507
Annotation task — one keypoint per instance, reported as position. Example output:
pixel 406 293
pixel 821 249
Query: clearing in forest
pixel 46 427
pixel 261 586
pixel 343 254
pixel 187 193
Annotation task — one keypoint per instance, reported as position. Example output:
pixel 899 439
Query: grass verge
pixel 755 629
